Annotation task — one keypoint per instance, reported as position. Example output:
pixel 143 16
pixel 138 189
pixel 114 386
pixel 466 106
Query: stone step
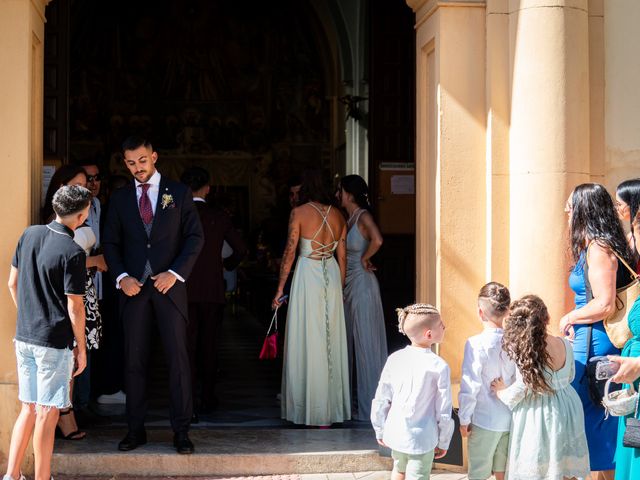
pixel 224 452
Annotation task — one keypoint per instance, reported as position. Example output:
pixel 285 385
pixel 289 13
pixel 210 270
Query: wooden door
pixel 392 153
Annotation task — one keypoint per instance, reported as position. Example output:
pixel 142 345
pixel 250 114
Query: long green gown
pixel 315 375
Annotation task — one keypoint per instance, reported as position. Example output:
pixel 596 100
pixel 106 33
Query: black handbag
pixel 595 387
pixel 631 436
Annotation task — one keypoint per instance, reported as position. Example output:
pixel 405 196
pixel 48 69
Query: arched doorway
pixel 247 91
pixel 251 91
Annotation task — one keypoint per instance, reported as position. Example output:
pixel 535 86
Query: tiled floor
pixel 247 388
pixel 318 476
pixel 248 392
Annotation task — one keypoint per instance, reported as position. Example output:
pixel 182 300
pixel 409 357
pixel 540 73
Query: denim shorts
pixel 44 375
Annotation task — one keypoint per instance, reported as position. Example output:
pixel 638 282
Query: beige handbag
pixel 616 324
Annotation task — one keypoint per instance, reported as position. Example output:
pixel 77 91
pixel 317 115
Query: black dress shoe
pixel 182 443
pixel 132 440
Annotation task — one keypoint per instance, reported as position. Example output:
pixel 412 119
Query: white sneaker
pixel 9 477
pixel 118 398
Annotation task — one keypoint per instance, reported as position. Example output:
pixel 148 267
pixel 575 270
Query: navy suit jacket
pixel 174 244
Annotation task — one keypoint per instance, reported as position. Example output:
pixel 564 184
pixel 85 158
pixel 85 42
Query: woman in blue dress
pixel 595 233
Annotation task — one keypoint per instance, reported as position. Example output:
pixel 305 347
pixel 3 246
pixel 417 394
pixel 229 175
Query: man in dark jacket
pixel 206 288
pixel 151 240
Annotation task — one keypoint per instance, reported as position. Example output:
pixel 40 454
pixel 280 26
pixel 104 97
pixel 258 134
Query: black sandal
pixel 73 436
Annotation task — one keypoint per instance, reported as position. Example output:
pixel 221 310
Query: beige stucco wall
pixel 621 95
pixel 503 136
pixel 451 167
pixel 21 86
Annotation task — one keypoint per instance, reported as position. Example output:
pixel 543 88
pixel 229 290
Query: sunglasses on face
pixel 94 178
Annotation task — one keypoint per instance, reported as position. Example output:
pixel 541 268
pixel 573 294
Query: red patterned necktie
pixel 146 212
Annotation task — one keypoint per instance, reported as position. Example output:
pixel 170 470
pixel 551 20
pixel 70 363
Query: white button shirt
pixel 484 360
pixel 93 220
pixel 411 411
pixel 152 193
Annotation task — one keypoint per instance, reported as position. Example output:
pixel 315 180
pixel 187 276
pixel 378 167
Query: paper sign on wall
pixel 403 185
pixel 47 174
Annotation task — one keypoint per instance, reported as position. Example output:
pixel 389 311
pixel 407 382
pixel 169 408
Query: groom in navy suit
pixel 152 238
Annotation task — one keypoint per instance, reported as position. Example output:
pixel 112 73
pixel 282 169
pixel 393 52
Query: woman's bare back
pixel 311 223
pixel 557 352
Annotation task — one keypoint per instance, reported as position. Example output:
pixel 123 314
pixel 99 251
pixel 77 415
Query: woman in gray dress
pixel 366 336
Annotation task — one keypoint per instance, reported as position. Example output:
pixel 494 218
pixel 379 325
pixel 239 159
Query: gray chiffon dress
pixel 366 336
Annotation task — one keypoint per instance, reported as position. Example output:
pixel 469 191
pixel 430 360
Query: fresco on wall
pixel 237 87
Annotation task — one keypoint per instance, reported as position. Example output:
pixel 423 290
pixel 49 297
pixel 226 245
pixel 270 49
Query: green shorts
pixel 488 452
pixel 416 467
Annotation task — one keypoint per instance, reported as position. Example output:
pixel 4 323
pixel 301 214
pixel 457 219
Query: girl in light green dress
pixel 548 440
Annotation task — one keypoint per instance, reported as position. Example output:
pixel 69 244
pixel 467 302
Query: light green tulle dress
pixel 547 440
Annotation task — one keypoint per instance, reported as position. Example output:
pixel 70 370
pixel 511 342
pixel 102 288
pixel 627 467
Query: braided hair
pixel 415 309
pixel 495 299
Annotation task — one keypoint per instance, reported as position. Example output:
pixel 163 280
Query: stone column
pixel 498 105
pixel 549 141
pixel 21 91
pixel 451 165
pixel 596 90
pixel 622 99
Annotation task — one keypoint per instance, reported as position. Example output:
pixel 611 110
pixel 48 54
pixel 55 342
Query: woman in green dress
pixel 628 458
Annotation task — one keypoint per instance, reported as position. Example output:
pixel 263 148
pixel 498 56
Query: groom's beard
pixel 143 176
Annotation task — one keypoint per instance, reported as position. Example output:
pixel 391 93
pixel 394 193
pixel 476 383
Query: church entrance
pixel 254 92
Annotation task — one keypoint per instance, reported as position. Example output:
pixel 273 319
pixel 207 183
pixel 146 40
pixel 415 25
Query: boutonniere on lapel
pixel 167 201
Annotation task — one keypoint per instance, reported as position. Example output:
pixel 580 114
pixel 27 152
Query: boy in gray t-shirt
pixel 47 282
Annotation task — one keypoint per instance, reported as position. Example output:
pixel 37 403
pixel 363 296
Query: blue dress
pixel 601 433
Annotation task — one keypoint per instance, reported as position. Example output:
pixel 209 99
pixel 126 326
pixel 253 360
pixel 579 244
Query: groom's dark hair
pixel 195 178
pixel 135 141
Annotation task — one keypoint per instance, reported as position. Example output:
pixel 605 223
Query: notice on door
pixel 47 175
pixel 403 185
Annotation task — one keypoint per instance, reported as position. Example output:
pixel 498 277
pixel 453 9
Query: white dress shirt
pixel 484 361
pixel 93 220
pixel 152 193
pixel 85 237
pixel 411 411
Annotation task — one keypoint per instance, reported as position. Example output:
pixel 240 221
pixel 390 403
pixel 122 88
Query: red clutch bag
pixel 270 345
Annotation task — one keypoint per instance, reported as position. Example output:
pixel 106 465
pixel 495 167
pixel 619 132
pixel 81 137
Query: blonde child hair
pixel 414 319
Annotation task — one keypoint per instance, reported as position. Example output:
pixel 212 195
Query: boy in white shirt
pixel 411 412
pixel 483 417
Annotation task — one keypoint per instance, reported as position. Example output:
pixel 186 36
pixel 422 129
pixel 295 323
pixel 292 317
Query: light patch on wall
pixel 489 202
